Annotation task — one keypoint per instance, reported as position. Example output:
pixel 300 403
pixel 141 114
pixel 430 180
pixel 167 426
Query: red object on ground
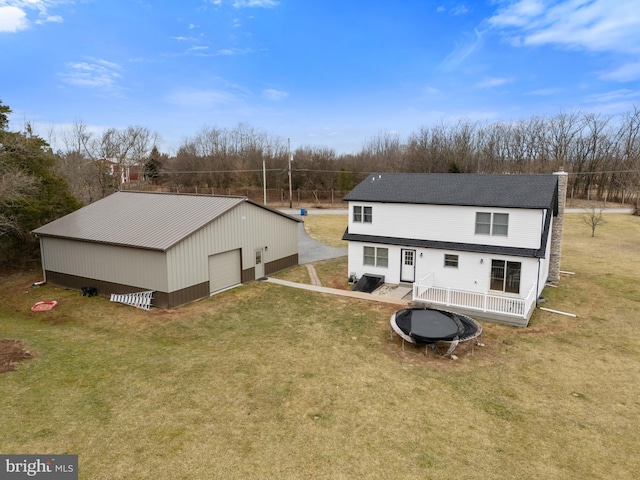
pixel 44 306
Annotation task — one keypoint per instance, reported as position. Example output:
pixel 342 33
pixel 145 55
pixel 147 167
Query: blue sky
pixel 322 73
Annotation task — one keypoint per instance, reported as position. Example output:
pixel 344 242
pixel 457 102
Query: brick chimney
pixel 558 227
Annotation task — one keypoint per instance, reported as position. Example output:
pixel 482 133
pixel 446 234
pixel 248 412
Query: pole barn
pixel 183 247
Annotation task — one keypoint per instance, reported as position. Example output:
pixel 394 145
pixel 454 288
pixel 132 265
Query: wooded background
pixel 38 183
pixel 600 152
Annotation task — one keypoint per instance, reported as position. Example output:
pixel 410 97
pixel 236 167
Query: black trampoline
pixel 430 327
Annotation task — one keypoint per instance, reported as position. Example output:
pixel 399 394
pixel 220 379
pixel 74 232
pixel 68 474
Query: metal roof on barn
pixel 155 221
pixel 462 189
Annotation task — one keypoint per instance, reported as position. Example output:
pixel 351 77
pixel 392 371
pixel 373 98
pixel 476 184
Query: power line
pixel 352 171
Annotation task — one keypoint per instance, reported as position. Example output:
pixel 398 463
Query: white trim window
pixel 362 214
pixel 376 257
pixel 495 224
pixel 450 261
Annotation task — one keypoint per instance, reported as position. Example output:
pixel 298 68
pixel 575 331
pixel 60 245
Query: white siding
pixel 448 224
pixel 122 265
pixel 472 275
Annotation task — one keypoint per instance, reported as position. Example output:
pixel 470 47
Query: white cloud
pixel 613 102
pixel 518 14
pixel 50 19
pixel 459 10
pixel 232 51
pixel 14 13
pixel 493 82
pixel 12 19
pixel 93 74
pixel 624 95
pixel 462 51
pixel 255 3
pixel 626 73
pixel 544 92
pixel 595 25
pixel 274 95
pixel 191 98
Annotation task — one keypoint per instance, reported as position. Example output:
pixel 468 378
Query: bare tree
pixel 15 185
pixel 128 147
pixel 593 217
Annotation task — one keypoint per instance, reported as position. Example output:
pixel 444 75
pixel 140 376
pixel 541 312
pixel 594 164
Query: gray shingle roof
pixel 154 221
pixel 480 190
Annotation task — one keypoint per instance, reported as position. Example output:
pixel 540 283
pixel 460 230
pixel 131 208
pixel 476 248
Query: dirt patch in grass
pixel 11 352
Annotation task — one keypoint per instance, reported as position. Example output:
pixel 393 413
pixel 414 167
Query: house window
pixel 500 225
pixel 505 276
pixel 357 213
pixel 382 257
pixel 369 256
pixel 409 258
pixel 483 223
pixel 376 257
pixel 492 224
pixel 362 214
pixel 451 261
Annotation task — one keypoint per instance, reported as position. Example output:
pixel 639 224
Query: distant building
pixel 122 174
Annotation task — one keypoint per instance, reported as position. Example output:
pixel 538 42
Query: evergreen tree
pixel 345 180
pixel 152 166
pixel 31 194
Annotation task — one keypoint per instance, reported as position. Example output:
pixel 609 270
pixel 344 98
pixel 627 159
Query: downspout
pixel 538 291
pixel 44 271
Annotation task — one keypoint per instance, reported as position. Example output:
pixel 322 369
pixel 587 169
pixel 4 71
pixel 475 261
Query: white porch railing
pixel 425 291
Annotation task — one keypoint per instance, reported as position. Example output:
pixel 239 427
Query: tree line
pixel 600 152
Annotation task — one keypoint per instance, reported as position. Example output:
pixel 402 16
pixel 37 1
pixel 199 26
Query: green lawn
pixel 264 381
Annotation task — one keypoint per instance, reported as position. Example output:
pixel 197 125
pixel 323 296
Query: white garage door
pixel 224 270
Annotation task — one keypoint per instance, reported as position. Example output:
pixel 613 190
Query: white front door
pixel 259 263
pixel 408 269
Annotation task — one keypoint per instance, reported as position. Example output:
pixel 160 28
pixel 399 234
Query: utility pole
pixel 290 160
pixel 264 181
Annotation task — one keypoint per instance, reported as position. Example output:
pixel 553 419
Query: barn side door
pixel 259 263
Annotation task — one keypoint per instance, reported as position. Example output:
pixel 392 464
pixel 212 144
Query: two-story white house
pixel 484 245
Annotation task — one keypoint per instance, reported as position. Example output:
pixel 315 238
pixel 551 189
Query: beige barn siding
pixel 260 229
pixel 121 265
pixel 247 227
